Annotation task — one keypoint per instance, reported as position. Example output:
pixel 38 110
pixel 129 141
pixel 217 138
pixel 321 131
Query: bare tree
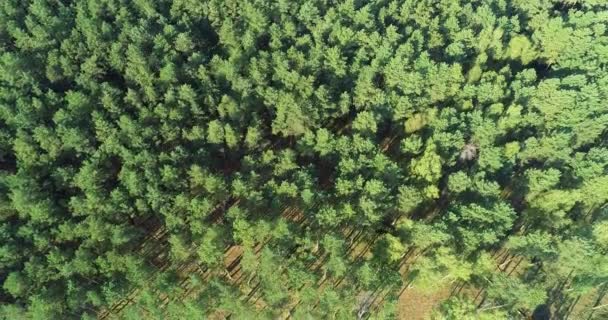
pixel 468 152
pixel 365 300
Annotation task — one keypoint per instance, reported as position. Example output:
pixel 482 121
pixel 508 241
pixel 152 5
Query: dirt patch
pixel 415 304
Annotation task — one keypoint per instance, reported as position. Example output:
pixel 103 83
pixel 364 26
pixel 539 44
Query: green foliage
pixel 441 266
pixel 515 294
pixel 521 48
pixel 389 249
pixel 15 284
pixel 460 308
pixel 475 227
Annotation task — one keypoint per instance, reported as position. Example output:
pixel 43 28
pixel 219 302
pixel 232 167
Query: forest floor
pixel 591 306
pixel 416 304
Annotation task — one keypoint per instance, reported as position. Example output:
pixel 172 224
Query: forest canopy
pixel 253 159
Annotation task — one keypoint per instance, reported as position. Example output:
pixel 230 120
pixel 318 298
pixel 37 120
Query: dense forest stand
pixel 232 268
pixel 504 262
pixel 294 159
pixel 154 248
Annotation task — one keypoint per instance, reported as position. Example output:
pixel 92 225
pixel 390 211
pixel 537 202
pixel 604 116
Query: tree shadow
pixel 541 312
